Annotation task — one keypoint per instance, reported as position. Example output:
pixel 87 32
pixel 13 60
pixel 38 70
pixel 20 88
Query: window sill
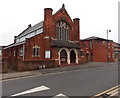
pixel 35 56
pixel 82 56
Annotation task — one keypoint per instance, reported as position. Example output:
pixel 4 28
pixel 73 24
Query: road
pixel 84 82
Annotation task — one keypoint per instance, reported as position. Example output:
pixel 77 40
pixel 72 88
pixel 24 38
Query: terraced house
pixel 52 42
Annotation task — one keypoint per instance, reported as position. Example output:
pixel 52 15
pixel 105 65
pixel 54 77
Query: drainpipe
pixel 107 45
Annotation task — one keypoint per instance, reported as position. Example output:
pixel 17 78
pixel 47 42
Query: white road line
pixel 60 95
pixel 19 78
pixel 108 91
pixel 40 88
pixel 114 91
pixel 114 94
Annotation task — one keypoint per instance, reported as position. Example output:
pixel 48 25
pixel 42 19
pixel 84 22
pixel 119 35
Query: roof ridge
pixel 94 37
pixel 30 28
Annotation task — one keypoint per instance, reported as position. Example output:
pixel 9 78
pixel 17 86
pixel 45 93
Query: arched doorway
pixel 72 56
pixel 63 56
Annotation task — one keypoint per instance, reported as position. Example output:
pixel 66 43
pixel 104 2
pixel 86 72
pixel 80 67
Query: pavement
pixel 11 75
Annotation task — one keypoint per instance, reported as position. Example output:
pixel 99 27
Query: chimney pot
pixel 29 25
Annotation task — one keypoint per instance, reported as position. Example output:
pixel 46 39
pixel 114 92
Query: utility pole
pixel 107 46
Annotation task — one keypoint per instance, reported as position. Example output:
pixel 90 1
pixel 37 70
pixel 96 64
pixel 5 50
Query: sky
pixel 96 16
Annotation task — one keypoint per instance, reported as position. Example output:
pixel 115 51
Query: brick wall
pixel 100 50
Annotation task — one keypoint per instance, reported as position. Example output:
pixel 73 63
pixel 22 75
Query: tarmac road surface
pixel 85 82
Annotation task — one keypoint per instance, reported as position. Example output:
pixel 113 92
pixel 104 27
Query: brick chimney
pixel 76 28
pixel 47 13
pixel 47 27
pixel 15 39
pixel 29 26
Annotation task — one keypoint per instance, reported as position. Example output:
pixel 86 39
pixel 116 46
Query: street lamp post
pixel 107 45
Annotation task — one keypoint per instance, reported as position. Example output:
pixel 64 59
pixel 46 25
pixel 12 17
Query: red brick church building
pixel 53 42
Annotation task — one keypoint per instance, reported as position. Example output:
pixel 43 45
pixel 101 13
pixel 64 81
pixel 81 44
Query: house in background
pixel 84 52
pixel 101 50
pixel 117 51
pixel 53 42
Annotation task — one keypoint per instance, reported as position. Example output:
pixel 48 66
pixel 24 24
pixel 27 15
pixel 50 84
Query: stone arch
pixel 75 56
pixel 65 55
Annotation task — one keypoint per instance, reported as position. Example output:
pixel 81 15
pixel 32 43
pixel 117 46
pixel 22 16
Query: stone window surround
pixel 36 51
pixel 62 30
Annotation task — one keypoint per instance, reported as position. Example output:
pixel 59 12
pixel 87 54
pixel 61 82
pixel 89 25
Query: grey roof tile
pixel 25 32
pixel 61 43
pixel 30 29
pixel 14 44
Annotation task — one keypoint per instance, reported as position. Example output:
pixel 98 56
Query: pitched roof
pixel 14 44
pixel 25 32
pixel 95 38
pixel 30 29
pixel 61 43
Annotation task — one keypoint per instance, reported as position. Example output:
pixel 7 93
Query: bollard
pixel 43 66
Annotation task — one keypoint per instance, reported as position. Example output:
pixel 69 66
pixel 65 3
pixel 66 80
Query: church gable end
pixel 62 15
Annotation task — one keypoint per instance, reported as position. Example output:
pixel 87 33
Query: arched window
pixel 62 31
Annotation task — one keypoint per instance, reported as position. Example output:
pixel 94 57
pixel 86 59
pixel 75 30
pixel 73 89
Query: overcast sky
pixel 96 16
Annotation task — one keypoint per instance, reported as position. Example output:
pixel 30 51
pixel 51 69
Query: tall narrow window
pixel 66 34
pixel 14 53
pixel 47 54
pixel 57 32
pixel 62 31
pixel 36 51
pixel 21 51
pixel 63 34
pixel 90 44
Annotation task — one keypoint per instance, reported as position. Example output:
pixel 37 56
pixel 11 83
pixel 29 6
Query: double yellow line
pixel 109 91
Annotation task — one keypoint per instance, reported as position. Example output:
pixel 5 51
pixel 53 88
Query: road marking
pixel 109 91
pixel 37 89
pixel 60 95
pixel 114 91
pixel 114 94
pixel 22 77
